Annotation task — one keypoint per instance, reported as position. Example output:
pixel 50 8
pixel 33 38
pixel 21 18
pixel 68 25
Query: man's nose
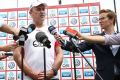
pixel 42 12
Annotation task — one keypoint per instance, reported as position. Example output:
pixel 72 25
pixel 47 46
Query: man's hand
pixel 41 76
pixel 3 56
pixel 79 36
pixel 50 74
pixel 8 48
pixel 37 75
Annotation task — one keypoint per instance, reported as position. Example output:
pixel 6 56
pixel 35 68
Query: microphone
pixel 24 30
pixel 42 38
pixel 22 39
pixel 23 34
pixel 53 31
pixel 28 30
pixel 31 28
pixel 70 32
pixel 9 53
pixel 66 45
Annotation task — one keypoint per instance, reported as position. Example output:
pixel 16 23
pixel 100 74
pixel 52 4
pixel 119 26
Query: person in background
pixel 107 56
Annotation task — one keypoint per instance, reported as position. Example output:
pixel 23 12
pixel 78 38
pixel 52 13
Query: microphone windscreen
pixel 42 38
pixel 52 30
pixel 71 31
pixel 31 27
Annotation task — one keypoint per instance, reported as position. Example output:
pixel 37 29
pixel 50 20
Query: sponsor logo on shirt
pixel 37 44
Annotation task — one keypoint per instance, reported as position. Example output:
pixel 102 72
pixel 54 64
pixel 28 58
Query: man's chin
pixel 42 19
pixel 102 27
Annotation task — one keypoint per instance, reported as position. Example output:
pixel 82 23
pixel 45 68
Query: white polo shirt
pixel 34 52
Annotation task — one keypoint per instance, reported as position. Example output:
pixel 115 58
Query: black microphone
pixel 24 30
pixel 53 31
pixel 42 38
pixel 70 32
pixel 9 53
pixel 65 45
pixel 22 39
pixel 23 34
pixel 28 30
pixel 31 28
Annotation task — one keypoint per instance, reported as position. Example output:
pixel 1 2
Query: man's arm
pixel 57 62
pixel 26 69
pixel 8 29
pixel 92 39
pixel 112 39
pixel 8 48
pixel 59 57
pixel 106 39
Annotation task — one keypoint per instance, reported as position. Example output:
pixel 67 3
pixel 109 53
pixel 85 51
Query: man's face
pixel 104 21
pixel 38 14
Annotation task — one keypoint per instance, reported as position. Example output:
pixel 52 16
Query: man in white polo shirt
pixel 33 62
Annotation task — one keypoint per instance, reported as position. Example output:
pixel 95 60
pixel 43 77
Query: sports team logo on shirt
pixel 37 44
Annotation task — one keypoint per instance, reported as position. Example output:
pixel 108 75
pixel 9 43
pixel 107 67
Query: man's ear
pixel 30 12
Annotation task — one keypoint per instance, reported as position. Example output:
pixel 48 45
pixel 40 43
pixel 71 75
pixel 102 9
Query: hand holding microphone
pixel 24 30
pixel 70 32
pixel 23 34
pixel 5 55
pixel 73 33
pixel 66 45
